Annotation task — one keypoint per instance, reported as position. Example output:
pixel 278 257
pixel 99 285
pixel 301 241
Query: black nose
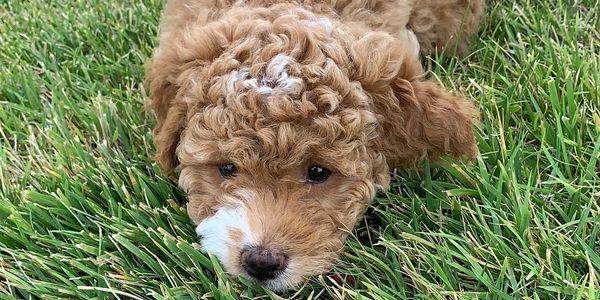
pixel 263 264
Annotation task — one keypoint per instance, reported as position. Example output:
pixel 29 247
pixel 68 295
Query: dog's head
pixel 280 128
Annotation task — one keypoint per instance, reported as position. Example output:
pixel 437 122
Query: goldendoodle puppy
pixel 282 119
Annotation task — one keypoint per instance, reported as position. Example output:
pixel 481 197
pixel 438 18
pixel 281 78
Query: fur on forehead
pixel 281 79
pixel 212 137
pixel 251 49
pixel 281 87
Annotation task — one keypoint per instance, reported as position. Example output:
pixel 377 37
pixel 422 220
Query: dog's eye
pixel 317 174
pixel 227 170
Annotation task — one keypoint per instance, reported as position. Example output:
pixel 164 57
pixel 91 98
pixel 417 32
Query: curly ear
pixel 425 119
pixel 167 136
pixel 170 114
pixel 417 117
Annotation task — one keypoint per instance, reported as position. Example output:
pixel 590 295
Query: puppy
pixel 282 119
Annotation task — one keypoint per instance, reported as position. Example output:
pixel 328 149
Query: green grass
pixel 84 213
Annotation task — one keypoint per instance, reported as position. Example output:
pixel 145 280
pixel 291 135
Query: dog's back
pixel 438 24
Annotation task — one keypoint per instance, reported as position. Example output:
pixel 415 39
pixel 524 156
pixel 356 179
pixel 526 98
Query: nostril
pixel 263 263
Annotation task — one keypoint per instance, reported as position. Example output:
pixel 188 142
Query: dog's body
pixel 283 118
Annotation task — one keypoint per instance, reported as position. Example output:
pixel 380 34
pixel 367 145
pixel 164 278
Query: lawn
pixel 85 213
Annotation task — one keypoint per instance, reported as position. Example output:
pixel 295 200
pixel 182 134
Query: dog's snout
pixel 263 264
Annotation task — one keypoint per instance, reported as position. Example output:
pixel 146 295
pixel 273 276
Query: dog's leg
pixel 446 25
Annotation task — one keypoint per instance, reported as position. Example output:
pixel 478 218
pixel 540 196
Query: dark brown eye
pixel 227 170
pixel 317 174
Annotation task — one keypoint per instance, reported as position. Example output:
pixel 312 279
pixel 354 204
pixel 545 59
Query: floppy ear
pixel 175 68
pixel 170 113
pixel 422 118
pixel 416 117
pixel 167 136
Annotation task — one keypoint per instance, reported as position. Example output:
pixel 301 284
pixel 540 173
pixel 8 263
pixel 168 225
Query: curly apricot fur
pixel 275 86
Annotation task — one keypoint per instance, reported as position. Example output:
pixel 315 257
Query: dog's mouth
pixel 275 283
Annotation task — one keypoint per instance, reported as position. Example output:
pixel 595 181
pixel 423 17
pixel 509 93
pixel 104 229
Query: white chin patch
pixel 411 39
pixel 214 232
pixel 282 283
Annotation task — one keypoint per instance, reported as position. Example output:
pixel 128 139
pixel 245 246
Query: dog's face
pixel 278 171
pixel 280 126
